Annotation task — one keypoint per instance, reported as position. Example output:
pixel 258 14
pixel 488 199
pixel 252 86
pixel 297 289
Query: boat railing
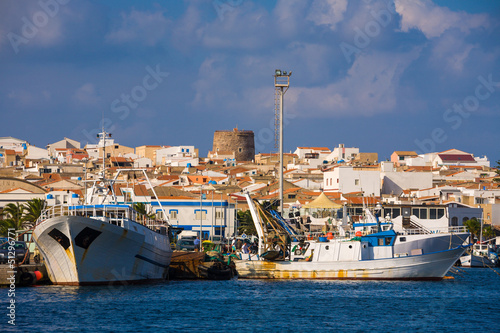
pixel 443 230
pixel 113 215
pixel 53 211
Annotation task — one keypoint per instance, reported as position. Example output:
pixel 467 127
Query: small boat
pixel 102 241
pixel 479 256
pixel 367 257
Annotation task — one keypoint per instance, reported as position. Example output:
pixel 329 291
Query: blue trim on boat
pixel 138 256
pixel 372 239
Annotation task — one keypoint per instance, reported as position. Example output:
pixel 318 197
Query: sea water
pixel 471 301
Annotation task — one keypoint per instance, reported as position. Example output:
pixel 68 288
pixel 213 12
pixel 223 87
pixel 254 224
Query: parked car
pixel 20 250
pixel 185 245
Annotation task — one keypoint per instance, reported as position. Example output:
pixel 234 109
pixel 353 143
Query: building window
pixel 173 214
pixel 433 213
pixel 416 212
pixel 240 150
pixel 219 215
pixel 440 213
pixel 401 158
pixel 454 221
pixel 203 214
pixel 423 213
pixel 465 219
pixel 356 182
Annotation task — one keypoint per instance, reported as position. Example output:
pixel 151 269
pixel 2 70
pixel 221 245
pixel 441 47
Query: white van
pixel 188 234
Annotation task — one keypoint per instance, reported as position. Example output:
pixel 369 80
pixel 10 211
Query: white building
pixel 454 157
pixel 342 153
pixel 35 153
pixel 8 142
pixel 63 144
pixel 63 197
pixel 18 195
pixel 307 184
pixel 177 156
pixel 143 162
pixel 395 182
pixel 312 152
pixel 346 179
pixel 216 217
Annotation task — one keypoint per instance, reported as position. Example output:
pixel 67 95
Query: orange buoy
pixel 329 235
pixel 38 275
pixel 358 234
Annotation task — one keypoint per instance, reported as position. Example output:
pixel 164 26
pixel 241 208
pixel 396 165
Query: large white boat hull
pixel 128 254
pixel 432 266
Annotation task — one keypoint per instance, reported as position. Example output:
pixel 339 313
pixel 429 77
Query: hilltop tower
pixel 240 142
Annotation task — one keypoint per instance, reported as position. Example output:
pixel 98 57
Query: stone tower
pixel 240 142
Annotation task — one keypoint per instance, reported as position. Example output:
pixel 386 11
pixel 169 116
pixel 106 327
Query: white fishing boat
pixel 480 256
pixel 366 257
pixel 102 241
pixel 418 238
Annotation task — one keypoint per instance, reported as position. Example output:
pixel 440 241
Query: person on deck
pixel 244 248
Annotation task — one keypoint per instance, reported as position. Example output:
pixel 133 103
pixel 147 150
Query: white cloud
pixel 433 20
pixel 451 53
pixel 26 98
pixel 144 27
pixel 370 87
pixel 327 12
pixel 86 94
pixel 21 97
pixel 25 24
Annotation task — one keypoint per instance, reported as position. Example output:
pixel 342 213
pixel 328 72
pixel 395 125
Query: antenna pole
pixel 281 84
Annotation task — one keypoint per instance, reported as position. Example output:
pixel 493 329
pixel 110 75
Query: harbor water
pixel 471 301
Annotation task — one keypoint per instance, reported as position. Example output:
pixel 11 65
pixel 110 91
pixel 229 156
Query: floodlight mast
pixel 281 84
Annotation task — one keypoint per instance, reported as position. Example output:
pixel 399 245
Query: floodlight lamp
pixel 277 72
pixel 284 73
pixel 290 73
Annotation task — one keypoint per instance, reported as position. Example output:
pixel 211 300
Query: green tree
pixel 13 218
pixel 34 209
pixel 488 232
pixel 246 225
pixel 474 227
pixel 141 208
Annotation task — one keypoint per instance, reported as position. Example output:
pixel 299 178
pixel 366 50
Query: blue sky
pixel 379 75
